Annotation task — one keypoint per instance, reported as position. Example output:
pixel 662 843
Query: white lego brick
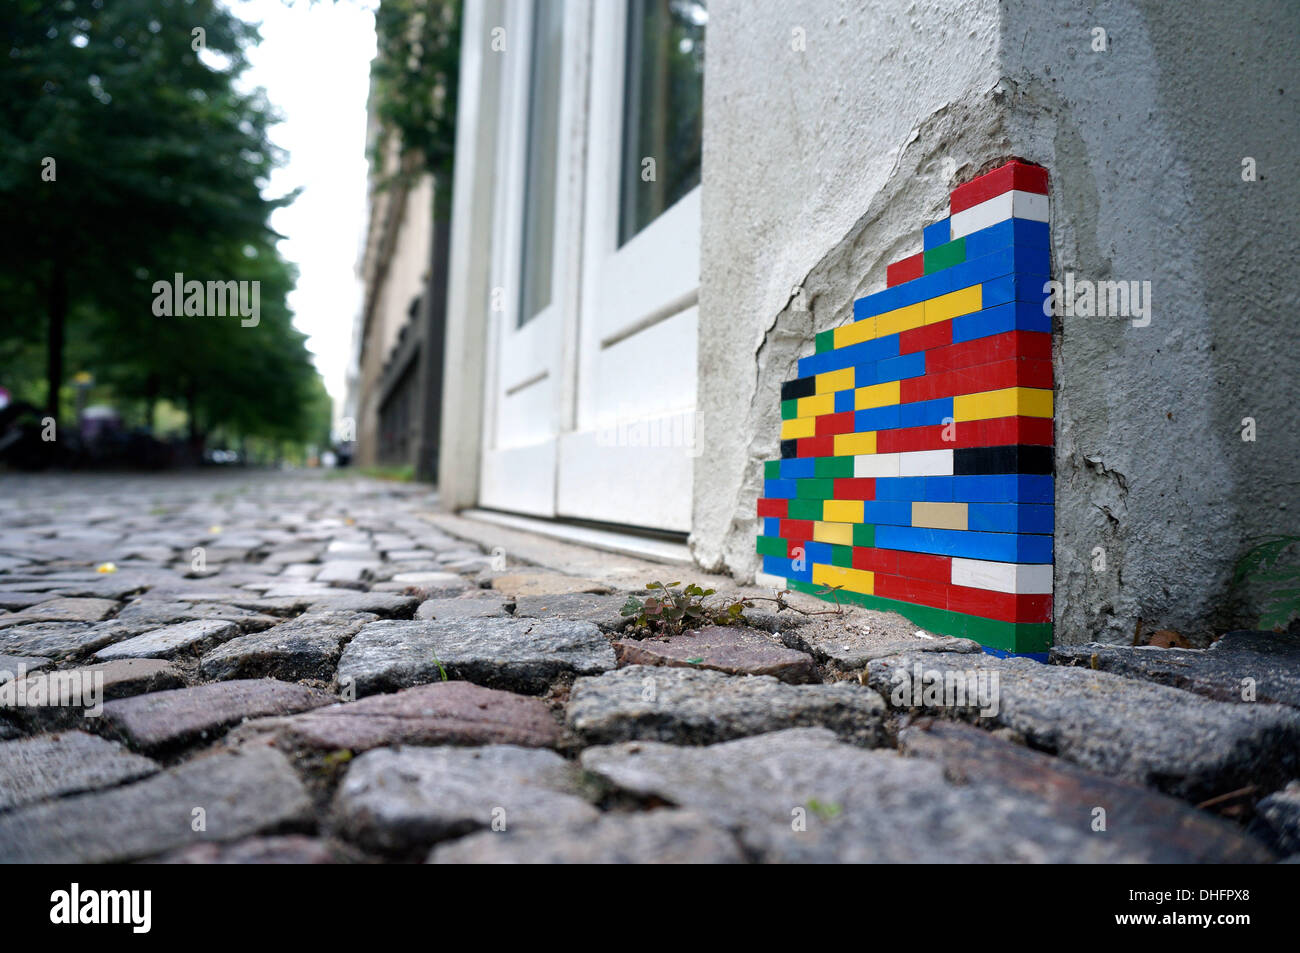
pixel 1015 204
pixel 764 581
pixel 1017 578
pixel 875 465
pixel 925 463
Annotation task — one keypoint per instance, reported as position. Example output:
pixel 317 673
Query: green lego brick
pixel 825 341
pixel 864 534
pixel 842 556
pixel 804 510
pixel 945 256
pixel 772 546
pixel 833 467
pixel 772 470
pixel 814 489
pixel 789 409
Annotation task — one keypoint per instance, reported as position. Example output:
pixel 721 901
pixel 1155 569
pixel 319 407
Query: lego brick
pixel 1005 607
pixel 1011 517
pixel 1013 204
pixel 1031 288
pixel 796 529
pixel 948 306
pixel 804 509
pixel 1001 488
pixel 853 444
pixel 997 547
pixel 921 591
pixel 800 387
pixel 1009 402
pixel 945 256
pixel 1011 231
pixel 768 507
pixel 876 465
pixel 854 580
pixel 864 534
pixel 814 447
pixel 772 469
pixel 814 552
pixel 843 400
pixel 824 341
pixel 842 511
pixel 877 418
pixel 996 375
pixel 798 468
pixel 914 488
pixel 1004 459
pixel 896 368
pixel 1002 577
pixel 779 489
pixel 921 565
pixel 926 463
pixel 922 413
pixel 852 488
pixel 932 236
pixel 876 395
pixel 833 467
pixel 875 560
pixel 860 330
pixel 842 556
pixel 819 404
pixel 891 512
pixel 925 338
pixel 789 448
pixel 901 319
pixel 834 380
pixel 905 270
pixel 985 349
pixel 940 515
pixel 835 424
pixel 1013 176
pixel 771 526
pixel 841 534
pixel 765 581
pixel 877 349
pixel 773 546
pixel 799 427
pixel 1000 319
pixel 789 409
pixel 814 489
pixel 784 568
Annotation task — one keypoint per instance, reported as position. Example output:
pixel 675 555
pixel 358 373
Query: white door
pixel 614 365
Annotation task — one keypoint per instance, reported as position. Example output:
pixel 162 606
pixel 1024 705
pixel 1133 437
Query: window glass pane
pixel 542 143
pixel 663 108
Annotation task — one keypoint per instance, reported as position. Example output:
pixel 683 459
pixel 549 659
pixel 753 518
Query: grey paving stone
pixel 59 639
pixel 442 713
pixel 848 643
pixel 689 706
pixel 48 766
pixel 1277 819
pixel 12 601
pixel 724 649
pixel 240 793
pixel 1176 741
pixel 403 800
pixel 17 666
pixel 66 698
pixel 152 613
pixel 164 720
pixel 285 849
pixel 62 610
pixel 171 641
pixel 383 604
pixel 439 581
pixel 1240 667
pixel 344 570
pixel 650 837
pixel 520 583
pixel 603 611
pixel 490 606
pixel 524 655
pixel 305 647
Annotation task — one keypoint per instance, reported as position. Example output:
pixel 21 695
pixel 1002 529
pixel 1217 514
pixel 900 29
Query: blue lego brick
pixel 863 352
pixel 1003 488
pixel 843 400
pixel 899 368
pixel 1012 231
pixel 940 233
pixel 815 552
pixel 771 526
pixel 780 566
pixel 924 413
pixel 1003 653
pixel 999 547
pixel 1009 518
pixel 794 468
pixel 1021 260
pixel 877 418
pixel 891 512
pixel 1014 288
pixel 1011 316
pixel 915 489
pixel 779 489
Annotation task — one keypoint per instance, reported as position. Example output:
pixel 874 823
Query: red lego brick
pixel 905 270
pixel 919 591
pixel 796 529
pixel 997 432
pixel 831 424
pixel 1004 606
pixel 1014 175
pixel 875 560
pixel 976 380
pixel 775 508
pixel 855 488
pixel 815 446
pixel 998 347
pixel 924 338
pixel 925 566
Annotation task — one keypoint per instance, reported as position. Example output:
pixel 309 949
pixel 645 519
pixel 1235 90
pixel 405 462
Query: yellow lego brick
pixel 953 304
pixel 936 515
pixel 855 333
pixel 798 427
pixel 841 534
pixel 900 319
pixel 855 444
pixel 854 580
pixel 816 406
pixel 876 395
pixel 832 381
pixel 1009 402
pixel 843 511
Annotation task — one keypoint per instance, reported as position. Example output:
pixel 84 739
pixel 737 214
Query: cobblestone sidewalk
pixel 307 668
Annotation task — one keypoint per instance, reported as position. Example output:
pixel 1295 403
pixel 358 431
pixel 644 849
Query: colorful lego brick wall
pixel 916 443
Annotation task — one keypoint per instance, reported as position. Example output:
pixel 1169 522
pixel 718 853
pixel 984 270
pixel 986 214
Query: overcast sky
pixel 314 62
